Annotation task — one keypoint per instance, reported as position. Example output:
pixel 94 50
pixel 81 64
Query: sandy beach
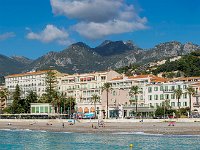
pixel 179 128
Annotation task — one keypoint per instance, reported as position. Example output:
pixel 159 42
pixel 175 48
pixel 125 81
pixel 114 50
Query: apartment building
pixel 157 93
pixel 122 103
pixel 83 86
pixel 153 92
pixel 30 81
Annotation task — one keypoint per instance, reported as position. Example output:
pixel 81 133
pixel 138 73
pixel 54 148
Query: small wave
pixel 184 135
pixel 41 131
pixel 28 130
pixel 67 132
pixel 136 133
pixel 5 129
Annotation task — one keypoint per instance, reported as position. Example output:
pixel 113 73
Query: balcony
pixel 196 104
pixel 196 95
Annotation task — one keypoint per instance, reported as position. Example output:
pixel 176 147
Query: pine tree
pixel 31 98
pixel 16 106
pixel 50 85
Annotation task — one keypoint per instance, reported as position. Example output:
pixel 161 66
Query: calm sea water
pixel 37 140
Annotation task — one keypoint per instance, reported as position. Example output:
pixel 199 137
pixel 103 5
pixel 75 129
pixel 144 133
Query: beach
pixel 87 126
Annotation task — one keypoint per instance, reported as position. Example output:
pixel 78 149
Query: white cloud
pixel 7 35
pixel 87 10
pixel 94 30
pixel 49 34
pixel 99 18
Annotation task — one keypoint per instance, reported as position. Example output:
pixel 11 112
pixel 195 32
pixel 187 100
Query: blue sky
pixel 32 28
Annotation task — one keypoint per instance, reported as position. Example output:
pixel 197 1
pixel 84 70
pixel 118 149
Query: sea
pixel 43 140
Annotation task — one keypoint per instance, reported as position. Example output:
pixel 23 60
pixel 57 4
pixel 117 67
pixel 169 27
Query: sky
pixel 32 28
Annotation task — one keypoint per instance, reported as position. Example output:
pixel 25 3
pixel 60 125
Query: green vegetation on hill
pixel 132 69
pixel 189 65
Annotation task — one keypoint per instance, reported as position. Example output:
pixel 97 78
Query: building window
pixel 33 110
pixel 37 109
pixel 46 109
pixel 173 104
pixel 150 97
pixel 155 88
pixel 103 78
pixel 155 97
pixel 184 103
pixel 166 88
pixel 172 88
pixel 185 95
pixel 166 96
pixel 149 89
pixel 114 93
pixel 161 97
pixel 97 110
pixel 184 86
pixel 41 109
pixel 172 96
pixel 179 104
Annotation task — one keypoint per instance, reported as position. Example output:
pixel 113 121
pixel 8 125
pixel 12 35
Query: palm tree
pixel 71 103
pixel 95 99
pixel 191 92
pixel 64 101
pixel 57 101
pixel 178 93
pixel 134 91
pixel 107 88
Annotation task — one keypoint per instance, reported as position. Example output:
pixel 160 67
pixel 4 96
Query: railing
pixel 196 95
pixel 196 105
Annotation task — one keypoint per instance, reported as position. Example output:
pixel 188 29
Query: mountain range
pixel 81 58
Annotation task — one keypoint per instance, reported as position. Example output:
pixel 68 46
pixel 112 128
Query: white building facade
pixel 83 86
pixel 31 81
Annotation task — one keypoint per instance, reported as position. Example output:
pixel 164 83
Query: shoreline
pixel 56 125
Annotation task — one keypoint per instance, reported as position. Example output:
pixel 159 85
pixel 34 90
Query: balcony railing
pixel 196 104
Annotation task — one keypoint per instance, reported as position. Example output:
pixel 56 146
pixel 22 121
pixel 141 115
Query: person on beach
pixel 63 124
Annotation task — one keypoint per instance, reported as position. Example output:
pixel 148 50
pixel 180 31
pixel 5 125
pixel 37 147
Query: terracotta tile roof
pixel 153 78
pixel 117 78
pixel 185 78
pixel 158 79
pixel 196 84
pixel 141 76
pixel 27 73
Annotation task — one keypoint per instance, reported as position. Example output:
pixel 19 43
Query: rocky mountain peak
pixel 105 43
pixel 80 58
pixel 79 45
pixel 108 48
pixel 130 44
pixel 22 59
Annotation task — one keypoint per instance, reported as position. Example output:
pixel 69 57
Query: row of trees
pixel 178 92
pixel 20 105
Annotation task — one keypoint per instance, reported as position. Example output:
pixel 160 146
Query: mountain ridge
pixel 81 58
